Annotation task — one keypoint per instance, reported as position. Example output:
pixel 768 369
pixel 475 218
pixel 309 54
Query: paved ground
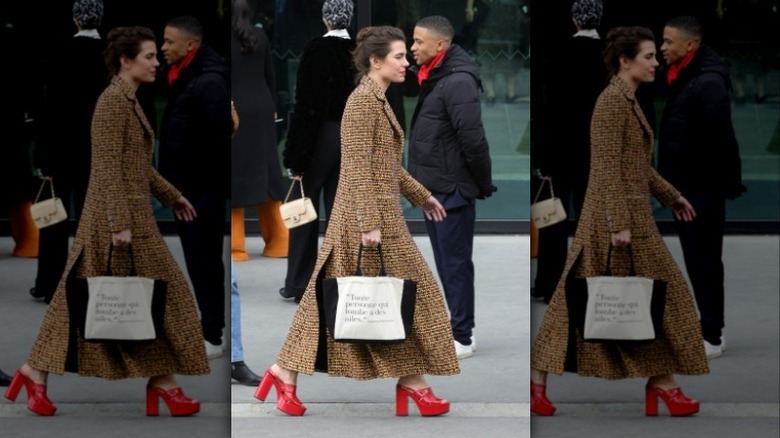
pixel 489 397
pixel 91 407
pixel 740 395
pixel 740 398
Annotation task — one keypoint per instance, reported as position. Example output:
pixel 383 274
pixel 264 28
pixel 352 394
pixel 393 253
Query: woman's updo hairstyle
pixel 624 41
pixel 125 41
pixel 373 40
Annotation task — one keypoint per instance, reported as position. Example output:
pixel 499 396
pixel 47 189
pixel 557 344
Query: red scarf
pixel 674 70
pixel 173 73
pixel 425 70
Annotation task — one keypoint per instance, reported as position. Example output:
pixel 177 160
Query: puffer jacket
pixel 697 148
pixel 447 145
pixel 196 127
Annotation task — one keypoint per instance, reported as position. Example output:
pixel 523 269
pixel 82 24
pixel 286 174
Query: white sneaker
pixel 463 351
pixel 713 351
pixel 474 344
pixel 214 351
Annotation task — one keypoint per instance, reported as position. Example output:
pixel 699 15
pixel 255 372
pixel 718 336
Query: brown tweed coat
pixel 121 180
pixel 368 198
pixel 621 180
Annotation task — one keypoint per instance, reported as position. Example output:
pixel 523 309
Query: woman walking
pixel 617 212
pixel 256 176
pixel 312 151
pixel 117 212
pixel 367 210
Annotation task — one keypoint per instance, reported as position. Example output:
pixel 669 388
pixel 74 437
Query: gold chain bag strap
pixel 298 212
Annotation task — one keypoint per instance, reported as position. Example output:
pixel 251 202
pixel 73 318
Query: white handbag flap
pixel 47 207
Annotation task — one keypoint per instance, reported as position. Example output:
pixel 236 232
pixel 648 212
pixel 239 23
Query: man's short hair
pixel 439 25
pixel 190 25
pixel 688 25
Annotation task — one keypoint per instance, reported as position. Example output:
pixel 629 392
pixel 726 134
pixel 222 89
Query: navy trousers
pixel 202 241
pixel 702 244
pixel 453 244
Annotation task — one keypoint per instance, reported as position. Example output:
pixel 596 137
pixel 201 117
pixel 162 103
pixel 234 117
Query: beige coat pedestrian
pixel 368 198
pixel 118 198
pixel 620 183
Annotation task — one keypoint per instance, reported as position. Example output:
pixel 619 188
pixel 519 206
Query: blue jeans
pixel 236 349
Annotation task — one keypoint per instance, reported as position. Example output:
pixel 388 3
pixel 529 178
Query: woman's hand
pixel 683 210
pixel 122 238
pixel 184 210
pixel 621 238
pixel 433 210
pixel 371 239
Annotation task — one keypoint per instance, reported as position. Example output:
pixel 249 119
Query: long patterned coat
pixel 368 198
pixel 121 180
pixel 621 180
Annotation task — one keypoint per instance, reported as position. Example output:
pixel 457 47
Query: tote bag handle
pixel 109 273
pixel 382 272
pixel 608 270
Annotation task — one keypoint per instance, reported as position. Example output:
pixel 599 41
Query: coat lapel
pixel 139 113
pixel 385 105
pixel 631 97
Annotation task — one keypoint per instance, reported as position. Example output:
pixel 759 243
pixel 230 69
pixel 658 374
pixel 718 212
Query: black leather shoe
pixel 5 379
pixel 36 295
pixel 243 375
pixel 283 292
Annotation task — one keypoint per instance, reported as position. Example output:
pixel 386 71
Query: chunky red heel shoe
pixel 678 404
pixel 428 404
pixel 37 401
pixel 178 404
pixel 286 400
pixel 540 404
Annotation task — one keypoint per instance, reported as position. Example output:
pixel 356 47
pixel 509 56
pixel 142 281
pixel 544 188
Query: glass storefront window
pixel 745 34
pixel 498 41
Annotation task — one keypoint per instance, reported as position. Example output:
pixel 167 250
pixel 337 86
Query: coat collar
pixel 129 93
pixel 380 95
pixel 626 90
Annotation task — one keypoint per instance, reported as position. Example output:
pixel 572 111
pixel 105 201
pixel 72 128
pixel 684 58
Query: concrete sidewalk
pixel 489 397
pixel 91 407
pixel 739 398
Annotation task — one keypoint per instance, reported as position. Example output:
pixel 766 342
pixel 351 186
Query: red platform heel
pixel 37 401
pixel 178 404
pixel 678 404
pixel 540 404
pixel 286 400
pixel 428 404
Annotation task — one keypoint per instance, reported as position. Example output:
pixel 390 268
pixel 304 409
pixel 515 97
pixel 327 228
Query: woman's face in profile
pixel 393 66
pixel 143 68
pixel 642 67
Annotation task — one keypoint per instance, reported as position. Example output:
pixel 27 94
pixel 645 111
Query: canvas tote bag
pixel 112 308
pixel 620 308
pixel 369 310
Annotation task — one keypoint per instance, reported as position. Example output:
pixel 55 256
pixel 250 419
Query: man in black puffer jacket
pixel 195 157
pixel 698 153
pixel 449 155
